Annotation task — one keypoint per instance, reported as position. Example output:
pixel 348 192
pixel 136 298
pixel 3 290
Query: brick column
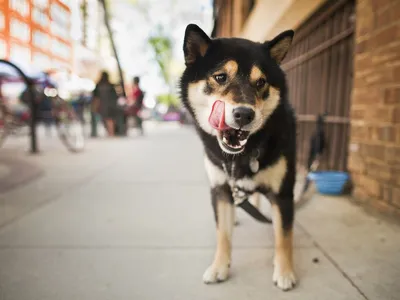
pixel 374 156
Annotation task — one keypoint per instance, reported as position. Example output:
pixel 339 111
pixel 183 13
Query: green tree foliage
pixel 162 47
pixel 168 99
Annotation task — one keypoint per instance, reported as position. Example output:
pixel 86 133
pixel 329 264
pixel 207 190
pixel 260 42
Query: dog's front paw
pixel 217 272
pixel 284 279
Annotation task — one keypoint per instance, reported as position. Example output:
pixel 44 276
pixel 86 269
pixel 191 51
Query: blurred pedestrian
pixel 94 116
pixel 137 104
pixel 105 102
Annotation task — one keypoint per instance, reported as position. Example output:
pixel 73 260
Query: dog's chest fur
pixel 242 178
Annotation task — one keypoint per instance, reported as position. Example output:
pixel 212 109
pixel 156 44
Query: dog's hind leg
pixel 225 218
pixel 283 275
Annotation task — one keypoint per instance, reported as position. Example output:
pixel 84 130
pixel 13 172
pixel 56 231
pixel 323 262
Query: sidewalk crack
pixel 333 262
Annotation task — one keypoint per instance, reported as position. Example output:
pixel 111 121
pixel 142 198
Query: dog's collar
pixel 253 164
pixel 253 157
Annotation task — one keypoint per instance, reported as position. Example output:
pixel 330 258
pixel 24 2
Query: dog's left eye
pixel 220 78
pixel 260 83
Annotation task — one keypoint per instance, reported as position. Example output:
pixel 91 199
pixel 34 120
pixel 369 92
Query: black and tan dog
pixel 237 94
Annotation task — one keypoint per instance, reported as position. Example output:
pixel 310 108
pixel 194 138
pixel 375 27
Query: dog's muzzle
pixel 232 137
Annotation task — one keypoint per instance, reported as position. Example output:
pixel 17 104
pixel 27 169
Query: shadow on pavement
pixel 16 171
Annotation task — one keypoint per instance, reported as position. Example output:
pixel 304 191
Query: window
pixel 59 30
pixel 40 17
pixel 60 21
pixel 20 6
pixel 40 40
pixel 41 3
pixel 60 49
pixel 60 14
pixel 20 30
pixel 41 60
pixel 20 54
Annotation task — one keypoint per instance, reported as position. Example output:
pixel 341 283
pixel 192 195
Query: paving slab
pixel 365 247
pixel 148 274
pixel 118 214
pixel 15 172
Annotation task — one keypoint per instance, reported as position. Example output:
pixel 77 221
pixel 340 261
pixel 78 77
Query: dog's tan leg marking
pixel 255 200
pixel 219 269
pixel 283 275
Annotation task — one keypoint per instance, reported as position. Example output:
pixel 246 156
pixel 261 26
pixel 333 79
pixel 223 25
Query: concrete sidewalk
pixel 132 219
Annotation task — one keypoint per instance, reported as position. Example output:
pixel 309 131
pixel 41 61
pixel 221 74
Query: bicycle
pixel 69 127
pixel 9 123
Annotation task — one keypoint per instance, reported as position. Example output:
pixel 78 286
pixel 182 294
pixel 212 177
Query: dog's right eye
pixel 220 78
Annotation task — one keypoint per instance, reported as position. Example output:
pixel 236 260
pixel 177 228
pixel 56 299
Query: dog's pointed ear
pixel 195 44
pixel 279 45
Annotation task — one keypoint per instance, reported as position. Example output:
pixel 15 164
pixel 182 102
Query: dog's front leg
pixel 283 210
pixel 277 181
pixel 225 217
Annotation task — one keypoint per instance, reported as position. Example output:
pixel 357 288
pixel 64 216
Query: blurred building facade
pixel 67 35
pixel 91 43
pixel 344 61
pixel 37 32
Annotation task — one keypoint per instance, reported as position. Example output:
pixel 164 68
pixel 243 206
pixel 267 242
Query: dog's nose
pixel 243 115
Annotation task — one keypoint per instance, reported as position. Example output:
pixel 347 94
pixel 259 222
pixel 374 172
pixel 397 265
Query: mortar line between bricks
pixel 333 262
pixel 53 198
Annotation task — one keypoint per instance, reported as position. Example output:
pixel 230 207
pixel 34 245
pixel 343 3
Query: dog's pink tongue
pixel 217 116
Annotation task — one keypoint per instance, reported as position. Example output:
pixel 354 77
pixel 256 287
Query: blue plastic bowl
pixel 329 182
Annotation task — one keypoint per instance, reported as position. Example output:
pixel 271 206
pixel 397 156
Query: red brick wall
pixel 374 156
